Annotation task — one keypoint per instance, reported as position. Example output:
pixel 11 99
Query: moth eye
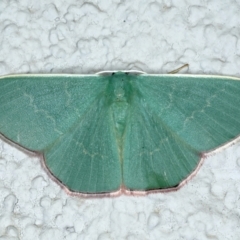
pixel 106 73
pixel 134 72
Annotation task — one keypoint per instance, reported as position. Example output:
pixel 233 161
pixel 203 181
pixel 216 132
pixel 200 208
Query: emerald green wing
pixel 173 119
pixel 67 118
pixel 94 131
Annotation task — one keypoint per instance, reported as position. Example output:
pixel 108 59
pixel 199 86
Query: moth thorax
pixel 119 93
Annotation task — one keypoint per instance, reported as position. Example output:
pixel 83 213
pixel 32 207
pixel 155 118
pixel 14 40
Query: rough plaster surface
pixel 89 36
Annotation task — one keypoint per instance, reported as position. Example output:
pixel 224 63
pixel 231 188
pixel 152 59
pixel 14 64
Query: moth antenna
pixel 179 69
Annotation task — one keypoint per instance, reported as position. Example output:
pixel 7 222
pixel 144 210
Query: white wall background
pixel 78 36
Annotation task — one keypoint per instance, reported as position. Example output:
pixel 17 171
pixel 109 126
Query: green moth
pixel 120 132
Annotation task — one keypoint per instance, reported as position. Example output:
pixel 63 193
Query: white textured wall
pixel 85 37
